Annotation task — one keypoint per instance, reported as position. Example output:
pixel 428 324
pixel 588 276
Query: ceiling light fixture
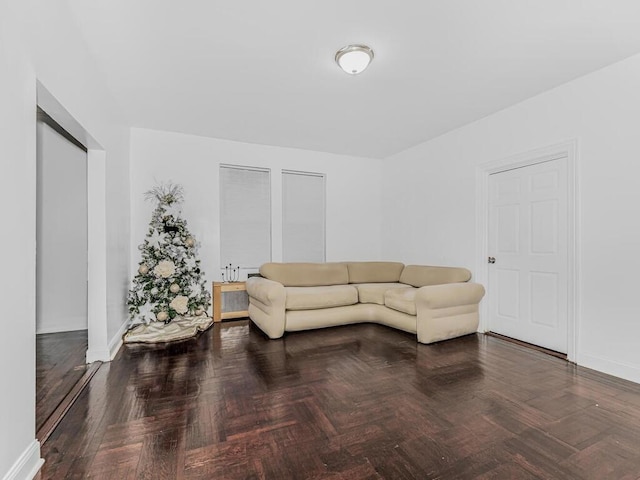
pixel 354 59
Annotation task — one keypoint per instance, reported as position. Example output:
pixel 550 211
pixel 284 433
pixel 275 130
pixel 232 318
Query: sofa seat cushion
pixel 307 298
pixel 374 292
pixel 401 299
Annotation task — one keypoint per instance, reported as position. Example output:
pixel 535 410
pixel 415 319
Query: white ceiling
pixel 263 72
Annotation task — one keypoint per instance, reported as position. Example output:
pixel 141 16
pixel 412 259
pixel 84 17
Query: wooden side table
pixel 238 309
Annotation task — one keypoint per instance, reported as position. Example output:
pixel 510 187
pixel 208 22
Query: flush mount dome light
pixel 354 59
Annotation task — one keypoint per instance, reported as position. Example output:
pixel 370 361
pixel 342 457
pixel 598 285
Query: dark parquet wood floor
pixel 357 402
pixel 60 362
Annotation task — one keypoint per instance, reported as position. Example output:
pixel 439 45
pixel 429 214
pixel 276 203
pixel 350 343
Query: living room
pixel 418 204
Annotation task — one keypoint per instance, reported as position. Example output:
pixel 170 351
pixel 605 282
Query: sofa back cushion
pixel 374 272
pixel 421 275
pixel 306 274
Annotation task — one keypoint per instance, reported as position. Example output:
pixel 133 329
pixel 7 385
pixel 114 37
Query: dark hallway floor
pixel 60 363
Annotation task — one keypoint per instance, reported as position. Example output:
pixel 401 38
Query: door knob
pixel 492 259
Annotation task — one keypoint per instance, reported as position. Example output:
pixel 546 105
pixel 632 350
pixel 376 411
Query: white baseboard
pixel 116 341
pixel 27 465
pixel 109 352
pixel 623 370
pixel 98 355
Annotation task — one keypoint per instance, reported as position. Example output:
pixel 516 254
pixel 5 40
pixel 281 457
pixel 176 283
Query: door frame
pixel 97 341
pixel 568 149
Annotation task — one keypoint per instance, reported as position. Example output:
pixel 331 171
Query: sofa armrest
pixel 267 305
pixel 447 311
pixel 267 291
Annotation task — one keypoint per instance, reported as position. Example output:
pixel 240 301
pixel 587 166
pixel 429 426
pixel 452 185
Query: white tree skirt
pixel 179 328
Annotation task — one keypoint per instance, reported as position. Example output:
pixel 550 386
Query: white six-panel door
pixel 528 240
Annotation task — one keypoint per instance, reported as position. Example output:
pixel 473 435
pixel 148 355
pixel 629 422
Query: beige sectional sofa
pixel 436 303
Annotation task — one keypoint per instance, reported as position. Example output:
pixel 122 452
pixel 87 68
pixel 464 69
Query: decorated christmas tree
pixel 169 282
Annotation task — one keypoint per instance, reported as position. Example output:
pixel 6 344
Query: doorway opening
pixel 61 265
pixel 93 345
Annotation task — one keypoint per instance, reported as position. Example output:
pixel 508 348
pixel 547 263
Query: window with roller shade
pixel 245 216
pixel 303 216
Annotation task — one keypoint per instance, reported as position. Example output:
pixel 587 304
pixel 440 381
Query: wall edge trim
pixel 27 465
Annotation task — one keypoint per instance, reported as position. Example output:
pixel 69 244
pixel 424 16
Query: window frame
pixel 269 208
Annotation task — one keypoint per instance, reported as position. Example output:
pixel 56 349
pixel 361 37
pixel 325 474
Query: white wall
pixel 61 258
pixel 38 41
pixel 436 184
pixel 352 192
